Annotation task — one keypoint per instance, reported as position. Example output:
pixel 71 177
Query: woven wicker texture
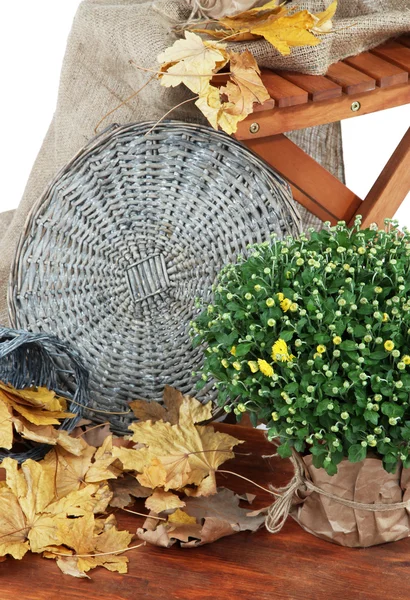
pixel 128 235
pixel 37 359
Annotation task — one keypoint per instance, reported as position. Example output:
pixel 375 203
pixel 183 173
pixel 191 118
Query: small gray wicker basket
pixel 37 359
pixel 130 232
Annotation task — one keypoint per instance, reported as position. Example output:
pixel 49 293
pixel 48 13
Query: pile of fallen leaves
pixel 62 505
pixel 197 63
pixel 31 414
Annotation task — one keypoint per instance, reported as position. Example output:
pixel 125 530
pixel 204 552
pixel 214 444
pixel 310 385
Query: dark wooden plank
pixel 283 91
pixel 351 80
pixel 405 40
pixel 281 120
pixel 382 71
pixel 395 53
pixel 318 87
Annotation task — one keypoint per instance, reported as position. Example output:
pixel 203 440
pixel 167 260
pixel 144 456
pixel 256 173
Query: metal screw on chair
pixel 355 106
pixel 254 128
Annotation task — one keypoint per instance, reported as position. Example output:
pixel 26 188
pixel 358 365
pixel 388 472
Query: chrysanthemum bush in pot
pixel 311 336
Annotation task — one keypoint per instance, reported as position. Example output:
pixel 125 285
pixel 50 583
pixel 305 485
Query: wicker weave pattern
pixel 28 359
pixel 130 232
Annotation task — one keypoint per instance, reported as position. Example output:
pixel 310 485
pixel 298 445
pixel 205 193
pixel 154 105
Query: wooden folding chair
pixel 363 84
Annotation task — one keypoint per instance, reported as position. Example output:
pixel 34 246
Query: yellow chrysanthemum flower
pixel 236 365
pixel 406 359
pixel 320 349
pixel 265 367
pixel 337 340
pixel 285 304
pixel 233 350
pixel 385 317
pixel 224 363
pixel 280 296
pixel 293 307
pixel 388 345
pixel 280 351
pixel 253 365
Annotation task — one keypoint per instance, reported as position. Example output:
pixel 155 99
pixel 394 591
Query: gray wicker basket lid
pixel 125 238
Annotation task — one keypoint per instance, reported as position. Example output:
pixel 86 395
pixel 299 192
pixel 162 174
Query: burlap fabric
pixel 97 75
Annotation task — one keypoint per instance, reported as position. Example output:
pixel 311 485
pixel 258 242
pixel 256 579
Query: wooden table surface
pixel 291 565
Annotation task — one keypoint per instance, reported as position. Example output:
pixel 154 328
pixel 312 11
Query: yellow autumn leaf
pixel 181 454
pixel 47 434
pixel 181 518
pixel 281 26
pixel 284 32
pixel 323 20
pixel 6 426
pixel 161 500
pixel 73 472
pixel 217 112
pixel 191 61
pixel 85 536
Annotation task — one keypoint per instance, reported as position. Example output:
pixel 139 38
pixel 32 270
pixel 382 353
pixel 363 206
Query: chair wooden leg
pixel 390 188
pixel 312 186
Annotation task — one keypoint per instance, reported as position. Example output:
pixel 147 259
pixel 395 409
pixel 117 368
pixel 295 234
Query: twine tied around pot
pixel 279 511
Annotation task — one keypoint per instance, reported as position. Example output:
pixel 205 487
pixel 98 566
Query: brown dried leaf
pixel 125 490
pixel 245 86
pixel 203 520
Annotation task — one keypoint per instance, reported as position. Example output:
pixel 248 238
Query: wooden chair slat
pixel 390 188
pixel 395 53
pixel 318 87
pixel 281 120
pixel 383 72
pixel 351 80
pixel 312 186
pixel 267 105
pixel 283 91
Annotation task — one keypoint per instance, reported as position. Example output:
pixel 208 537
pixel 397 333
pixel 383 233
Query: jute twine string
pixel 278 512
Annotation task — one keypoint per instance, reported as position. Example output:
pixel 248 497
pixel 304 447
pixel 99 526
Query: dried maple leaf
pixel 178 455
pixel 218 113
pixel 125 490
pixel 47 434
pixel 284 32
pixel 323 20
pixel 203 520
pixel 85 537
pixel 150 410
pixel 72 472
pixel 6 426
pixel 161 501
pixel 191 61
pixel 280 26
pixel 245 86
pixel 32 412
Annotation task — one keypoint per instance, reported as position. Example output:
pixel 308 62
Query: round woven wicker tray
pixel 130 232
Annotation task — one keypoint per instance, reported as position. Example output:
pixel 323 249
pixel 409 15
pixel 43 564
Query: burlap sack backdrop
pixel 97 75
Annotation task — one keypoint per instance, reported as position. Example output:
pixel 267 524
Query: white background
pixel 33 35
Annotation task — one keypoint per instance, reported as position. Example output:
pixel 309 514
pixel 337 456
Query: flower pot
pixel 330 516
